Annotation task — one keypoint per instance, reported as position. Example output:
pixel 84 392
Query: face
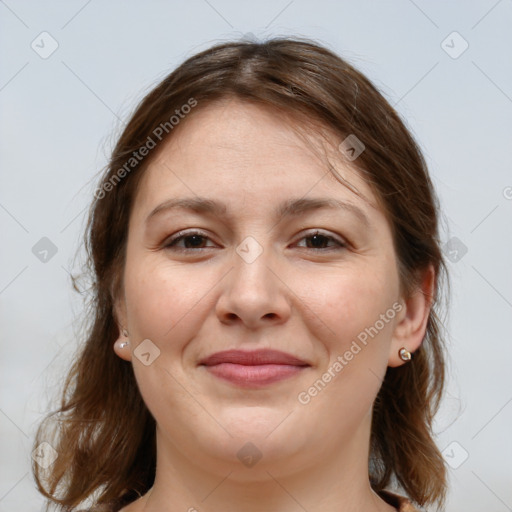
pixel 318 283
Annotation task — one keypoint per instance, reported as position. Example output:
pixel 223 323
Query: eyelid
pixel 182 235
pixel 342 242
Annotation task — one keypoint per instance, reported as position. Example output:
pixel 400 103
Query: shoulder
pixel 401 503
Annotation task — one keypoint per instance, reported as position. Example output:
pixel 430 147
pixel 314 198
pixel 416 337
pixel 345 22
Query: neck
pixel 337 482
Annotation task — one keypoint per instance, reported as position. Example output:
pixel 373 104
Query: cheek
pixel 348 301
pixel 164 305
pixel 349 378
pixel 159 298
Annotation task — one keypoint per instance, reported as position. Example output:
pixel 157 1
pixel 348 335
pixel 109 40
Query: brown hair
pixel 105 437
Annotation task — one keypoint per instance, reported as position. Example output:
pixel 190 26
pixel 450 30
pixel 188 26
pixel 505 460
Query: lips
pixel 254 358
pixel 253 369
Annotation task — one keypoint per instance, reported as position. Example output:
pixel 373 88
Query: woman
pixel 267 272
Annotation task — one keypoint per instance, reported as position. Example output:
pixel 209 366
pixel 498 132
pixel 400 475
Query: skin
pixel 309 300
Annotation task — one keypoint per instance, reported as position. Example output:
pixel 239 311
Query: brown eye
pixel 192 240
pixel 318 240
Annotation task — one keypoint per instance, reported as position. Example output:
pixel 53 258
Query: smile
pixel 255 375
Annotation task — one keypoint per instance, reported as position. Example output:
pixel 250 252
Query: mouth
pixel 253 369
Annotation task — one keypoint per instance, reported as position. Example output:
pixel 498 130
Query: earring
pixel 404 354
pixel 124 343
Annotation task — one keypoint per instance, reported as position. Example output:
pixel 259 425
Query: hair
pixel 105 437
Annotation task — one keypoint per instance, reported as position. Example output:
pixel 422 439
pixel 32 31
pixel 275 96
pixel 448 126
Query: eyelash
pixel 181 236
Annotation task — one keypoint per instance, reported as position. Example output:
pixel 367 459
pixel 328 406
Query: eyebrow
pixel 290 208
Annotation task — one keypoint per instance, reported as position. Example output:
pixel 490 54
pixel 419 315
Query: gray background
pixel 61 115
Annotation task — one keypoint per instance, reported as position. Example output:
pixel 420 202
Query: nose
pixel 255 293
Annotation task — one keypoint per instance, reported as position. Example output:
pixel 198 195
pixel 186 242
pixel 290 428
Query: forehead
pixel 240 152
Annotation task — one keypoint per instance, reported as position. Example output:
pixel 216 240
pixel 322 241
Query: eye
pixel 318 241
pixel 192 240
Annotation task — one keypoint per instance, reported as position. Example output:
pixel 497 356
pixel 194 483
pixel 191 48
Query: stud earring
pixel 124 343
pixel 404 354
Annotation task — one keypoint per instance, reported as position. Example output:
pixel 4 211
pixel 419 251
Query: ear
pixel 122 346
pixel 411 323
